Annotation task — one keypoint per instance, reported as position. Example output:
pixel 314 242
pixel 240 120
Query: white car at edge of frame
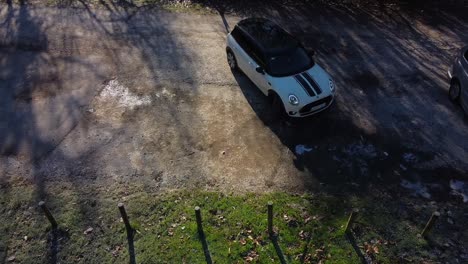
pixel 458 75
pixel 280 67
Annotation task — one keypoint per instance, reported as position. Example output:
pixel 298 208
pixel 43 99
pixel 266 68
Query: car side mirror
pixel 260 70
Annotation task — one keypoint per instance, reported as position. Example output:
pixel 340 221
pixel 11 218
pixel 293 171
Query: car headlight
pixel 332 85
pixel 293 99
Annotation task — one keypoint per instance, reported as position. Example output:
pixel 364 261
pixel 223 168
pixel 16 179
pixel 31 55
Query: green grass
pixel 235 226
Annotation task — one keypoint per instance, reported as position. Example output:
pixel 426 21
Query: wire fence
pixel 130 231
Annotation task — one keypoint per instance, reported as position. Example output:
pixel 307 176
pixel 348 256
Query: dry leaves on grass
pixel 319 253
pixel 291 221
pixel 251 256
pixel 116 251
pixel 247 235
pixel 371 248
pixel 88 231
pixel 303 235
pixel 170 231
pixel 308 218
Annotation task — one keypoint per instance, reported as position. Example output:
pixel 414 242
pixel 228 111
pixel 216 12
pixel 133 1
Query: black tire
pixel 454 91
pixel 277 105
pixel 232 62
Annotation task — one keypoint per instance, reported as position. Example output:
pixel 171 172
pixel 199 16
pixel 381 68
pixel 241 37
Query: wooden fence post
pixel 199 220
pixel 124 215
pixel 430 223
pixel 270 218
pixel 48 214
pixel 351 219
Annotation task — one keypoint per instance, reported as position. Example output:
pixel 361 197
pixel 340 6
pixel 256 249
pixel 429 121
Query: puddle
pixel 301 149
pixel 459 188
pixel 417 188
pixel 124 97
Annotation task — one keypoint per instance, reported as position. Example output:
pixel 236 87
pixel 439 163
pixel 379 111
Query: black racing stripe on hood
pixel 312 82
pixel 304 85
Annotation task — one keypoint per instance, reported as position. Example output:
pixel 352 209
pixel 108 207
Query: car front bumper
pixel 312 108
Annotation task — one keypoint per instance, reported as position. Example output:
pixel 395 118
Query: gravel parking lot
pixel 144 96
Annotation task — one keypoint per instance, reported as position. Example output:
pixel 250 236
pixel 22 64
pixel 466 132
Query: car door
pixel 240 49
pixel 256 60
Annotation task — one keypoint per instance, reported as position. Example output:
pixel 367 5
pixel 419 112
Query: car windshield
pixel 293 61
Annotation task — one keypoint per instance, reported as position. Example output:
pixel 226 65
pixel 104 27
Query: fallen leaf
pixel 303 235
pixel 251 256
pixel 376 249
pixel 242 241
pixel 87 231
pixel 115 252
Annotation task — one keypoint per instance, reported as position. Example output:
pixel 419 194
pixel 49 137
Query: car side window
pixel 466 55
pixel 257 56
pixel 240 39
pixel 243 41
pixel 245 44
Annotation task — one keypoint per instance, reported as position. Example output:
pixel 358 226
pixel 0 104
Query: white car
pixel 458 75
pixel 280 67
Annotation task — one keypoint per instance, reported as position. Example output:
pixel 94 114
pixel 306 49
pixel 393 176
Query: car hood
pixel 309 85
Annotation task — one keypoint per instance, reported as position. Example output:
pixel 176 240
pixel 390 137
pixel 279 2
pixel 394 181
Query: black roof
pixel 270 37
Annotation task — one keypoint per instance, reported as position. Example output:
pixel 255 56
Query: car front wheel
pixel 454 91
pixel 277 105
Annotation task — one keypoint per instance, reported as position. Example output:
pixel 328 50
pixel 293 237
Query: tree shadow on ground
pixel 27 53
pixel 386 70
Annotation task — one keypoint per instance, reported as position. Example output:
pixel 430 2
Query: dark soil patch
pixel 366 81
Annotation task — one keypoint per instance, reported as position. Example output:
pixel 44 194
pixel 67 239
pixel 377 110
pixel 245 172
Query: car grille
pixel 307 108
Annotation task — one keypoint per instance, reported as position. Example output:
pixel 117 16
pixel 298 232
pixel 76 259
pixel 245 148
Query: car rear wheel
pixel 454 91
pixel 232 62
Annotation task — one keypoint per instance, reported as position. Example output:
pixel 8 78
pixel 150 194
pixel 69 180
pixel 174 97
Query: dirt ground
pixel 100 96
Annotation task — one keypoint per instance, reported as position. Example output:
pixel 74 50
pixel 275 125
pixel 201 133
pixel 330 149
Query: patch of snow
pixel 456 185
pixel 460 188
pixel 366 151
pixel 165 93
pixel 403 167
pixel 123 96
pixel 301 149
pixel 410 158
pixel 417 188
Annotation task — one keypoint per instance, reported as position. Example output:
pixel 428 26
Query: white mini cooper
pixel 281 68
